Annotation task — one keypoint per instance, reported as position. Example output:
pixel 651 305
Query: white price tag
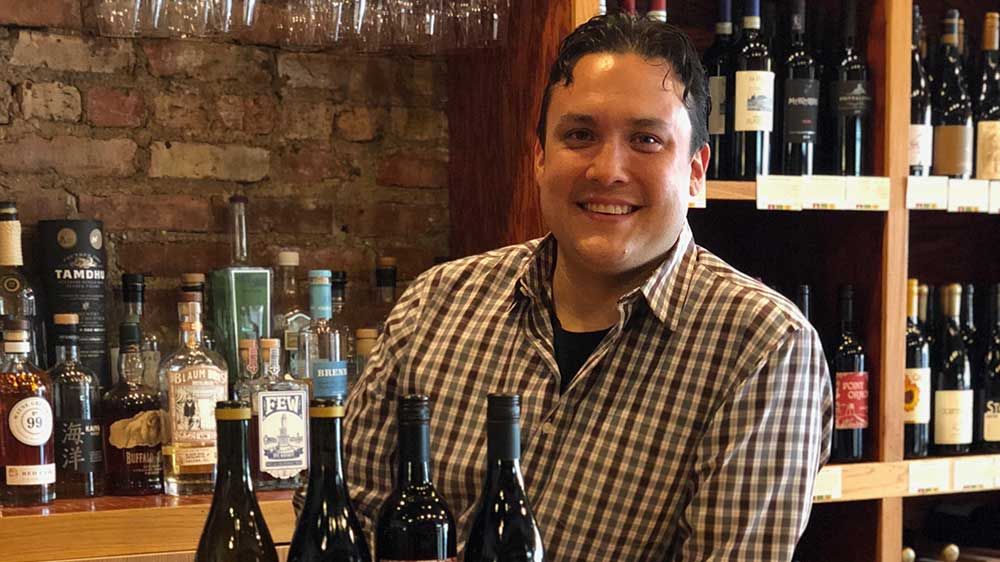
pixel 996 471
pixel 968 196
pixel 823 193
pixel 995 197
pixel 973 474
pixel 927 477
pixel 699 201
pixel 864 193
pixel 928 193
pixel 779 193
pixel 829 484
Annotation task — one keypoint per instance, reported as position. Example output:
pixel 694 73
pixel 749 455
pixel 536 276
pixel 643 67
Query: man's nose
pixel 609 164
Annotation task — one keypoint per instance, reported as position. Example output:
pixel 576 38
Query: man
pixel 674 409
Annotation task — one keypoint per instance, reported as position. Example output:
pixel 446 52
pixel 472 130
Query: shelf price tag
pixel 824 193
pixel 995 197
pixel 865 193
pixel 928 193
pixel 929 477
pixel 829 484
pixel 968 196
pixel 700 201
pixel 973 474
pixel 779 193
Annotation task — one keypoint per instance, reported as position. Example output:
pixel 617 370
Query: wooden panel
pixel 583 10
pixel 732 190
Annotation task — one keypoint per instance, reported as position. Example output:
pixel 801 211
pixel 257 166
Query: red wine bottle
pixel 851 93
pixel 718 64
pixel 752 92
pixel 953 394
pixel 917 404
pixel 921 130
pixel 801 100
pixel 850 384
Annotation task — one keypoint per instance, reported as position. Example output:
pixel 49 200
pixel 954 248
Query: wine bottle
pixel 970 335
pixel 235 530
pixel 850 385
pixel 718 64
pixel 988 102
pixel 989 380
pixel 801 97
pixel 917 405
pixel 921 130
pixel 932 323
pixel 503 528
pixel 752 92
pixel 414 522
pixel 328 530
pixel 953 395
pixel 851 93
pixel 951 109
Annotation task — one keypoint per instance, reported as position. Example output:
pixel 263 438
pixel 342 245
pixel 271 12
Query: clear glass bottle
pixel 289 317
pixel 322 344
pixel 17 294
pixel 194 283
pixel 76 399
pixel 279 430
pixel 133 295
pixel 338 310
pixel 196 378
pixel 249 369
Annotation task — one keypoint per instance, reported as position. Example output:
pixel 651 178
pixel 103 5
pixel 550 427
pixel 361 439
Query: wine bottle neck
pixel 414 454
pixel 327 459
pixel 503 441
pixel 502 475
pixel 234 458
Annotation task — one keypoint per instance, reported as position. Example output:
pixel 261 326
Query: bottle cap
pixel 193 279
pixel 503 407
pixel 366 334
pixel 320 274
pixel 129 333
pixel 414 408
pixel 288 258
pixel 65 319
pixel 270 343
pixel 386 261
pixel 338 277
pixel 325 408
pixel 247 343
pixel 232 410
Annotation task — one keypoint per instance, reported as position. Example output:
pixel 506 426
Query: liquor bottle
pixel 18 297
pixel 851 93
pixel 951 108
pixel 249 368
pixel 133 295
pixel 989 381
pixel 953 394
pixel 327 528
pixel 28 453
pixel 279 432
pixel 364 342
pixel 385 289
pixel 132 421
pixel 235 530
pixel 414 522
pixel 752 92
pixel 338 319
pixel 921 130
pixel 850 385
pixel 801 97
pixel 503 527
pixel 718 64
pixel 917 403
pixel 196 379
pixel 987 97
pixel 657 10
pixel 804 301
pixel 76 401
pixel 322 346
pixel 194 283
pixel 289 317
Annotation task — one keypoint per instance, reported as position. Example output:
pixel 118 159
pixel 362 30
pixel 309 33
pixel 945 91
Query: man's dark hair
pixel 650 39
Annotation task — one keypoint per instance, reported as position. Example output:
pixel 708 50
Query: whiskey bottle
pixel 133 423
pixel 289 317
pixel 76 399
pixel 194 283
pixel 195 379
pixel 17 296
pixel 27 452
pixel 279 430
pixel 322 345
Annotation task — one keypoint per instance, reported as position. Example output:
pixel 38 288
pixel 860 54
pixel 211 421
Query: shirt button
pixel 548 427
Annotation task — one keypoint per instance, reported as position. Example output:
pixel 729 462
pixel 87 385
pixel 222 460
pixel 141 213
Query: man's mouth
pixel 605 209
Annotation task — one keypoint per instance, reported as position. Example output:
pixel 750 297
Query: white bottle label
pixel 991 421
pixel 921 145
pixel 988 150
pixel 953 417
pixel 30 421
pixel 917 405
pixel 193 394
pixel 754 101
pixel 31 475
pixel 717 117
pixel 283 432
pixel 195 456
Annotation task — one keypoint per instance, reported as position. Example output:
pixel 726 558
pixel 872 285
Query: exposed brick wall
pixel 343 157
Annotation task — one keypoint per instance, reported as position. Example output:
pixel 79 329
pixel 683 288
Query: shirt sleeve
pixel 758 460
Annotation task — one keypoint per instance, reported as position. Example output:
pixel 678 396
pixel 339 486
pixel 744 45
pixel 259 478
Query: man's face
pixel 616 174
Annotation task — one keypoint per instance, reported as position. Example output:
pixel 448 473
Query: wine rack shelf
pixel 877 480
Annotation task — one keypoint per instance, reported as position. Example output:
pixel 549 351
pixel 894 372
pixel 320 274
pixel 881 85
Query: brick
pixel 267 27
pixel 394 219
pixel 419 124
pixel 306 120
pixel 207 61
pixel 172 258
pixel 352 258
pixel 308 165
pixel 292 215
pixel 207 161
pixel 374 81
pixel 6 102
pixel 255 115
pixel 114 107
pixel 53 101
pixel 183 111
pixel 358 124
pixel 71 53
pixel 40 204
pixel 71 156
pixel 178 213
pixel 41 13
pixel 403 169
pixel 314 71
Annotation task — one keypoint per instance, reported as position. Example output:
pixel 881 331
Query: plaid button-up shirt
pixel 693 433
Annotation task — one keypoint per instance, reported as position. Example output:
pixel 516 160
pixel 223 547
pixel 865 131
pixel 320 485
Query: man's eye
pixel 579 136
pixel 647 142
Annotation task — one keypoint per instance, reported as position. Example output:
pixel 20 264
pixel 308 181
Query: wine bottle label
pixel 195 456
pixel 30 421
pixel 283 432
pixel 291 340
pixel 921 145
pixel 991 421
pixel 141 430
pixel 31 475
pixel 144 460
pixel 193 394
pixel 988 150
pixel 853 97
pixel 851 400
pixel 329 379
pixel 953 150
pixel 754 101
pixel 717 117
pixel 78 445
pixel 953 417
pixel 917 405
pixel 801 110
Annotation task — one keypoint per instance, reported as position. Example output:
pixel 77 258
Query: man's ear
pixel 539 158
pixel 699 169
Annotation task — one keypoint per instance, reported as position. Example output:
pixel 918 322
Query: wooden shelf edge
pixel 721 190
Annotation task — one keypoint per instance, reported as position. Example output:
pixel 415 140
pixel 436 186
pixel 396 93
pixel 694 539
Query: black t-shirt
pixel 573 349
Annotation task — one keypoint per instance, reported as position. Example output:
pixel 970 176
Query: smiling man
pixel 673 408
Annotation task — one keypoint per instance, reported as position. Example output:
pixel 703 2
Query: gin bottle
pixel 289 317
pixel 279 430
pixel 133 295
pixel 322 345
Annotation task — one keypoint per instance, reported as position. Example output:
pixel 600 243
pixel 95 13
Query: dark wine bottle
pixel 932 322
pixel 414 522
pixel 235 530
pixel 801 97
pixel 503 529
pixel 951 107
pixel 850 384
pixel 988 412
pixel 718 64
pixel 953 395
pixel 804 301
pixel 917 405
pixel 921 130
pixel 988 102
pixel 970 335
pixel 752 92
pixel 851 93
pixel 328 530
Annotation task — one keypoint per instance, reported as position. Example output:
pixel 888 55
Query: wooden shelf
pixel 719 190
pixel 922 477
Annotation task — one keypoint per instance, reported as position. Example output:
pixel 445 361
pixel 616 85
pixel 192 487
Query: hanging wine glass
pixel 187 19
pixel 118 18
pixel 306 24
pixel 230 16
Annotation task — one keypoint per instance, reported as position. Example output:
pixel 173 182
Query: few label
pixel 829 484
pixel 929 477
pixel 867 193
pixel 823 193
pixel 968 196
pixel 928 193
pixel 779 193
pixel 283 432
pixel 973 474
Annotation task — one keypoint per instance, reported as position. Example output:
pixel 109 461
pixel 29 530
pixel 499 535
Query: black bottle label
pixel 801 110
pixel 853 97
pixel 78 445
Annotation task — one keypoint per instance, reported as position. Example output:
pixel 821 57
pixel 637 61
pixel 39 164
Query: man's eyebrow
pixel 577 119
pixel 648 123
